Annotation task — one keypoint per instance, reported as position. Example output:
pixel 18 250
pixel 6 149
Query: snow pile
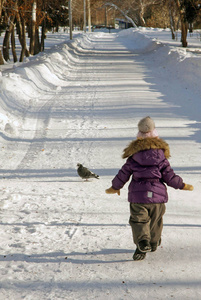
pixel 32 81
pixel 187 65
pixel 180 62
pixel 137 41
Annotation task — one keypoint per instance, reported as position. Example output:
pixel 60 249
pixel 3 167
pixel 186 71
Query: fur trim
pixel 146 144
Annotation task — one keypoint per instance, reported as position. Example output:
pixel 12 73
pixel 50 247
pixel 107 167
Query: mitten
pixel 112 191
pixel 187 187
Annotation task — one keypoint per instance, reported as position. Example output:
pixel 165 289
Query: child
pixel 147 162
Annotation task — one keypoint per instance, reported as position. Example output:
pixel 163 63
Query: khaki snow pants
pixel 146 221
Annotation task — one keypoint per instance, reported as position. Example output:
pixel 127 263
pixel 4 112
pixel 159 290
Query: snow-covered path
pixel 62 238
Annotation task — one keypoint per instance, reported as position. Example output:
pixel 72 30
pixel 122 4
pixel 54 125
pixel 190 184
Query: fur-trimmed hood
pixel 146 144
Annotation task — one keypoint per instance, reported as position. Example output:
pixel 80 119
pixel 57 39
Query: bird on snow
pixel 85 173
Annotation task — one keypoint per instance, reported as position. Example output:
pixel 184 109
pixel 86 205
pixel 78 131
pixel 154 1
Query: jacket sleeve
pixel 123 175
pixel 170 178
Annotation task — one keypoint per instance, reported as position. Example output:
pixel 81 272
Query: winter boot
pixel 138 255
pixel 144 246
pixel 155 245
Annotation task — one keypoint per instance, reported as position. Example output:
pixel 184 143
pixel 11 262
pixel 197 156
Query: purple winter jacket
pixel 149 169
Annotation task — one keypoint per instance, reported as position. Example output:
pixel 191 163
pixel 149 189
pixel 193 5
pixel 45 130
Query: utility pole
pixel 89 15
pixel 105 16
pixel 70 19
pixel 84 16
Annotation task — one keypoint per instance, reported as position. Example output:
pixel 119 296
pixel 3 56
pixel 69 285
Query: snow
pixel 80 101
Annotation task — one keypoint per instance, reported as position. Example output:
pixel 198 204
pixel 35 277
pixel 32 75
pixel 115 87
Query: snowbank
pixel 135 40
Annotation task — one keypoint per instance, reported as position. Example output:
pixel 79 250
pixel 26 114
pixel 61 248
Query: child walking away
pixel 147 163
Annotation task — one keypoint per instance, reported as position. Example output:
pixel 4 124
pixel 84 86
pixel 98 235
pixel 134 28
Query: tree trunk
pixel 57 25
pixel 22 37
pixel 191 27
pixel 172 30
pixel 33 29
pixel 172 21
pixel 1 55
pixel 37 42
pixel 1 5
pixel 184 28
pixel 9 29
pixel 23 41
pixel 13 45
pixel 43 35
pixel 1 58
pixel 6 45
pixel 70 19
pixel 6 41
pixel 141 15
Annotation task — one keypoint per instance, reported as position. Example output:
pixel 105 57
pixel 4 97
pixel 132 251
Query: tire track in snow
pixel 81 95
pixel 43 117
pixel 83 117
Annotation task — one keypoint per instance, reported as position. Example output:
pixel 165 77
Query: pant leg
pixel 156 224
pixel 140 222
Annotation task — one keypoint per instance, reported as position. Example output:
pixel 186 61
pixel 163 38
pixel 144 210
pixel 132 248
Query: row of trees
pixel 27 16
pixel 35 17
pixel 175 14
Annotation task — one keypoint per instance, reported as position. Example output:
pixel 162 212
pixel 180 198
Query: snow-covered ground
pixel 80 101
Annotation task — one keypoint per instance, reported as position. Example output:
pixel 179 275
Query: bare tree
pixel 9 30
pixel 1 6
pixel 135 9
pixel 122 12
pixel 173 14
pixel 21 28
pixel 141 7
pixel 13 44
pixel 184 25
